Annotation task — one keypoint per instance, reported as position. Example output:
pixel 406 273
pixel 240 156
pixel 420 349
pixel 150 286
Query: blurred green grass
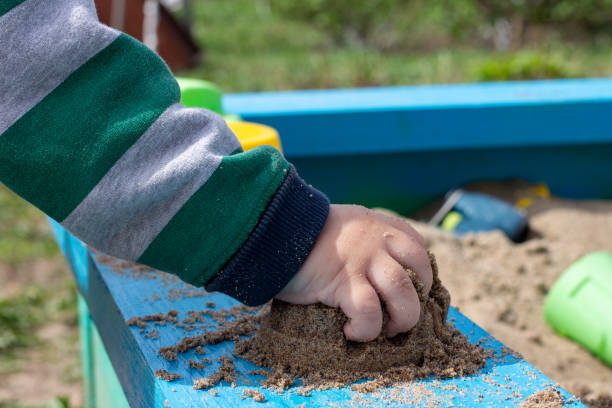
pixel 24 234
pixel 247 49
pixel 31 307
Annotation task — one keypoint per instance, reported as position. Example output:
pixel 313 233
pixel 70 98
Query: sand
pixel 599 402
pixel 501 285
pixel 547 398
pixel 257 396
pixel 196 365
pixel 298 341
pixel 167 376
pixel 226 373
pixel 308 342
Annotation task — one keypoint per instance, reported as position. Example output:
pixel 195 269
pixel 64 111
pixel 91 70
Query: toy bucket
pixel 579 305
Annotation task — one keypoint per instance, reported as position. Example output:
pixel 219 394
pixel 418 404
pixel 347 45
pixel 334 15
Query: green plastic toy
pixel 197 93
pixel 579 305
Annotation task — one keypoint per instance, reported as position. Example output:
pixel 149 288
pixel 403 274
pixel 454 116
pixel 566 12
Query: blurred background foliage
pixel 253 45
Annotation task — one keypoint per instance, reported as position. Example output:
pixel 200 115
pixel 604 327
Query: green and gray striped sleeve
pixel 92 132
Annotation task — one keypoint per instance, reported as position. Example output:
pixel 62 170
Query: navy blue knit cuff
pixel 278 245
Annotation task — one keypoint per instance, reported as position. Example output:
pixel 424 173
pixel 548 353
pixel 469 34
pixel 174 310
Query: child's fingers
pixel 402 225
pixel 360 303
pixel 401 299
pixel 404 250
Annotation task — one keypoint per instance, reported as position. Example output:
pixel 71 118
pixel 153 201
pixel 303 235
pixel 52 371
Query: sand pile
pixel 308 341
pixel 547 398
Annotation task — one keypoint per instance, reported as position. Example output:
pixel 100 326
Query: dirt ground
pixel 49 366
pixel 502 286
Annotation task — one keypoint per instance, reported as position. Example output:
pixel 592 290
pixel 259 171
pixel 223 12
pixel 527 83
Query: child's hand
pixel 360 254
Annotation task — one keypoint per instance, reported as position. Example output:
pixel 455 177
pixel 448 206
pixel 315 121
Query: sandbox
pixel 148 325
pixel 550 131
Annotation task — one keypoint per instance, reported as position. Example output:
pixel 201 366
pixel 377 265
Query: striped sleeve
pixel 92 132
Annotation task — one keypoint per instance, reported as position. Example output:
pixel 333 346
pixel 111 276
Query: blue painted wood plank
pixel 421 97
pixel 114 296
pixel 401 147
pixel 407 181
pixel 440 117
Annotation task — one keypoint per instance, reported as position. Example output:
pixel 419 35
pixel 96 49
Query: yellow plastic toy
pixel 539 191
pixel 252 135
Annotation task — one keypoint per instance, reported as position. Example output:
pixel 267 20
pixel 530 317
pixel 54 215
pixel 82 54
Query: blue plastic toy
pixel 464 212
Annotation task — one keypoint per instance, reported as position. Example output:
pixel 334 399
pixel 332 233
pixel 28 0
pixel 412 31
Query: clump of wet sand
pixel 298 341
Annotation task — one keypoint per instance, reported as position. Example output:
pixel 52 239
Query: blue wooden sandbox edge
pixel 134 358
pixel 402 147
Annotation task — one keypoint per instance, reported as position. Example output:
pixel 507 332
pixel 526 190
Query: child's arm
pixel 92 132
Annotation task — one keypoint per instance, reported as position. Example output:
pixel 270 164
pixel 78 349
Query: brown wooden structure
pixel 175 44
